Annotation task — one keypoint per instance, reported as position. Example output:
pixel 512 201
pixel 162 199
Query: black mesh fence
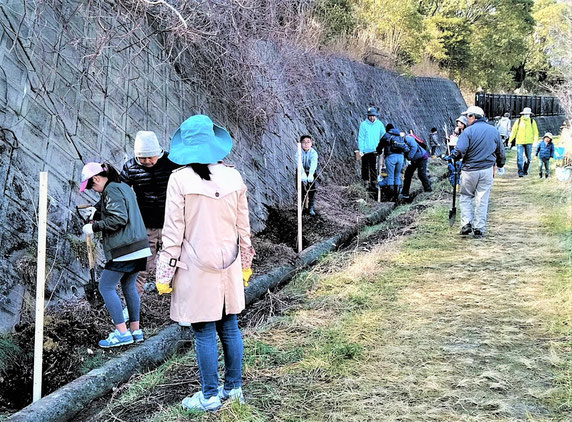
pixel 498 104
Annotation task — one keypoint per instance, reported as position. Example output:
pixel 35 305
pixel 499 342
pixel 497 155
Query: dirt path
pixel 425 327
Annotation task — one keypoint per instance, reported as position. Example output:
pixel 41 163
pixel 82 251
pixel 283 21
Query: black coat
pixel 150 186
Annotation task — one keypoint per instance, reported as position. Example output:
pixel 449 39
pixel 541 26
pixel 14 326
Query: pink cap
pixel 88 171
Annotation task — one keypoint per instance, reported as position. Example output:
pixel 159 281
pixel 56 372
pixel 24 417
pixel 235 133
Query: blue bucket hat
pixel 199 140
pixel 372 111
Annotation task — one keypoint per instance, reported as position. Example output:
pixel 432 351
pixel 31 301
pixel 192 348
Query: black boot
pixel 312 203
pixel 466 229
pixel 396 193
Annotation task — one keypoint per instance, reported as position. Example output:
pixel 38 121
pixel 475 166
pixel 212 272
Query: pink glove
pixel 246 256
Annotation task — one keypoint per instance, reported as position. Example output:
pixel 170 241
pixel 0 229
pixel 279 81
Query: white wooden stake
pixel 299 186
pixel 41 282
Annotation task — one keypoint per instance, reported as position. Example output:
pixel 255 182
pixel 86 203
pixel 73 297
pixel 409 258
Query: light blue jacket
pixel 369 135
pixel 310 161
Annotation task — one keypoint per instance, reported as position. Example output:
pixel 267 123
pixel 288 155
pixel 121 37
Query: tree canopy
pixel 489 44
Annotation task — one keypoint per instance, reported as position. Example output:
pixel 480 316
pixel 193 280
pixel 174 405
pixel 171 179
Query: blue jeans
pixel 107 288
pixel 207 353
pixel 394 164
pixel 544 163
pixel 521 151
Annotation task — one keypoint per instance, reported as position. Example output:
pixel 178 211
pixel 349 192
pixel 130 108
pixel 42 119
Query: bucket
pixel 563 173
pixel 559 153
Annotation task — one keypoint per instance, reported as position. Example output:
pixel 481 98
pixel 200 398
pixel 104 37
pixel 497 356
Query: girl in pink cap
pixel 125 245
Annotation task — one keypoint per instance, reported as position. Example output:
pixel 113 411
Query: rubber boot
pixel 312 203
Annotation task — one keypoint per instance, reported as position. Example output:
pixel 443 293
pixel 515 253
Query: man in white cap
pixel 148 173
pixel 480 147
pixel 525 131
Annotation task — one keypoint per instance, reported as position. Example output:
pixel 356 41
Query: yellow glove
pixel 164 273
pixel 163 288
pixel 246 273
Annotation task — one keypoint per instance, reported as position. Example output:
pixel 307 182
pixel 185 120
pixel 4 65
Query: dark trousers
pixel 421 167
pixel 310 190
pixel 369 168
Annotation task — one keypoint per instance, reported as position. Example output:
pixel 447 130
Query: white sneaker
pixel 234 394
pixel 198 402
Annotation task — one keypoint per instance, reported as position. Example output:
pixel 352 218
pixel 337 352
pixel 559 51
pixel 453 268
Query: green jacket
pixel 524 130
pixel 119 221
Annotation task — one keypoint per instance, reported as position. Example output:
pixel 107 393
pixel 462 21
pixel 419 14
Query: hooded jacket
pixel 544 150
pixel 480 147
pixel 503 126
pixel 384 145
pixel 524 130
pixel 416 152
pixel 369 135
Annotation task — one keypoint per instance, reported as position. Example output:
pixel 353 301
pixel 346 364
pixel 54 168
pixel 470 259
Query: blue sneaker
pixel 116 339
pixel 198 402
pixel 234 394
pixel 137 336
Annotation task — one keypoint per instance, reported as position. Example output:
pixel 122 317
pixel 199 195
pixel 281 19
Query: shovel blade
pixel 452 216
pixel 91 291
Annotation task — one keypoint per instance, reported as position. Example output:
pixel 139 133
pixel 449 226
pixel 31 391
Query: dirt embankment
pixel 71 333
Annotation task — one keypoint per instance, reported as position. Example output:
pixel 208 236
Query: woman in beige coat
pixel 206 246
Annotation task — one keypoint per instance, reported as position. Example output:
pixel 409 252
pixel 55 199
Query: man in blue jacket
pixel 418 161
pixel 480 147
pixel 370 132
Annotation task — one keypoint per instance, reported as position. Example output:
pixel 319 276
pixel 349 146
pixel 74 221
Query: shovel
pixel 90 288
pixel 453 210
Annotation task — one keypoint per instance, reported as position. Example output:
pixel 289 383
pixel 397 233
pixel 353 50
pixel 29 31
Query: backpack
pixel 420 142
pixel 397 145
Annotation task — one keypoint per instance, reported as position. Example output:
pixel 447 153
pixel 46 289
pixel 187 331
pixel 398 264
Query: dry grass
pixel 423 327
pixel 432 326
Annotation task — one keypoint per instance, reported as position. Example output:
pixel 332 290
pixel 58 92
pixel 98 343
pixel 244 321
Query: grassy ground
pixel 421 326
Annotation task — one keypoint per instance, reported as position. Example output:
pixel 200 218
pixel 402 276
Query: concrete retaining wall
pixel 62 105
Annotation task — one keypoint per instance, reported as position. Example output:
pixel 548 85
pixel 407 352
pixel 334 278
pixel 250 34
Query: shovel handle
pixel 90 257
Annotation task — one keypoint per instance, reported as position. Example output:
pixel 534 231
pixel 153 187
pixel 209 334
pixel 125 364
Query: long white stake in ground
pixel 41 282
pixel 299 186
